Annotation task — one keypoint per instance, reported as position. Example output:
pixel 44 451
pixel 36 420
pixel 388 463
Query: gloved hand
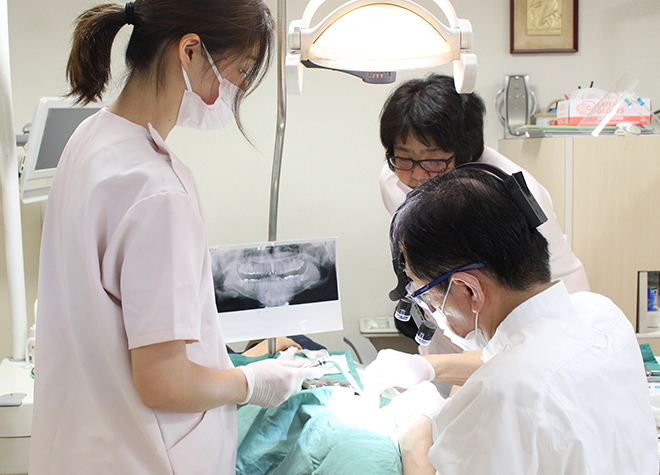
pixel 423 398
pixel 394 368
pixel 270 382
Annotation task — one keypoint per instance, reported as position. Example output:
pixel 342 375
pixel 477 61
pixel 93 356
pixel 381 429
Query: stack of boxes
pixel 628 110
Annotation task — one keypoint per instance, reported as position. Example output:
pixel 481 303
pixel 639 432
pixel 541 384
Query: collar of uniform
pixel 181 171
pixel 159 142
pixel 524 314
pixel 402 186
pixel 179 168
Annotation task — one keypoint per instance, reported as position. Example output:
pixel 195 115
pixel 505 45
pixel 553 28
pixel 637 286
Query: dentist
pixel 562 389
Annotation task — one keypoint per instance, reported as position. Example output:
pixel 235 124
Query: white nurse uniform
pixel 124 264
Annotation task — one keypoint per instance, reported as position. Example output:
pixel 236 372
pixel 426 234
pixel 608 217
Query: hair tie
pixel 128 11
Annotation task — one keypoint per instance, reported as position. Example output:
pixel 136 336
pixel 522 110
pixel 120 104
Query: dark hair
pixel 228 29
pixel 467 216
pixel 435 114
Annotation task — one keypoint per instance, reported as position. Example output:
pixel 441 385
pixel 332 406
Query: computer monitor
pixel 55 119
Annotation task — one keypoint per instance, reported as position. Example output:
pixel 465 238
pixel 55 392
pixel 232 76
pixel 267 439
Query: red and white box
pixel 572 111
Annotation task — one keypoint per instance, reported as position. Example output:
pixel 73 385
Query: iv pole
pixel 11 206
pixel 279 134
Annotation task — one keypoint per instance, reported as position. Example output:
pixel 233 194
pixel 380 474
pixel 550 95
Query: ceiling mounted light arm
pixel 376 38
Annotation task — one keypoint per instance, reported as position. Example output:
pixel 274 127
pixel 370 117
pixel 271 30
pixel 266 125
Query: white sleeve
pixel 153 266
pixel 392 190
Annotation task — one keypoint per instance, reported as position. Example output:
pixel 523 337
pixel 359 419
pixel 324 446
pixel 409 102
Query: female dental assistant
pixel 133 374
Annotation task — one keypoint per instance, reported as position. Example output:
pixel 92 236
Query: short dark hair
pixel 467 216
pixel 228 29
pixel 432 111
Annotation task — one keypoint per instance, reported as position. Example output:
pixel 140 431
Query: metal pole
pixel 281 120
pixel 279 133
pixel 11 205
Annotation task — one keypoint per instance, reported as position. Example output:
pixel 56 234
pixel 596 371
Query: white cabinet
pixel 606 195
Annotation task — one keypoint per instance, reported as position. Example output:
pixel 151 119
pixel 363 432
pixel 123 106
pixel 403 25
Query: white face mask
pixel 197 114
pixel 473 341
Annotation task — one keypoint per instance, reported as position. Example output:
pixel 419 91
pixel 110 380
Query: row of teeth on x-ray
pixel 277 268
pixel 275 285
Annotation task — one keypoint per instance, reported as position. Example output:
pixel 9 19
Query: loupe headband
pixel 517 187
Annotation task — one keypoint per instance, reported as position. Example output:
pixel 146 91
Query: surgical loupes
pixel 406 309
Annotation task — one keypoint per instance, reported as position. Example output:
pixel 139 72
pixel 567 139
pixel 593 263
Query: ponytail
pixel 228 28
pixel 88 68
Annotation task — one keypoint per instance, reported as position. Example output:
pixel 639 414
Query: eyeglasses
pixel 437 165
pixel 420 297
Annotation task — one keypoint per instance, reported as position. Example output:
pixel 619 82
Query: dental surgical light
pixel 372 39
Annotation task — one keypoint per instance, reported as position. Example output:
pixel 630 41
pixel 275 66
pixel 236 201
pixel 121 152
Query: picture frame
pixel 543 26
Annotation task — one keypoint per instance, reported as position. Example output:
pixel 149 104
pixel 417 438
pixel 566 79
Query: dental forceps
pixel 346 375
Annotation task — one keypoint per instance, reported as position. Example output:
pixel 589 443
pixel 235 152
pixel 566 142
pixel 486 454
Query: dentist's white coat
pixel 562 391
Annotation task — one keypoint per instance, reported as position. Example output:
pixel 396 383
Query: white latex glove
pixel 393 368
pixel 423 398
pixel 271 382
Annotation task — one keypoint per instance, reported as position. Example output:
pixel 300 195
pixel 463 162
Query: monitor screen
pixel 54 121
pixel 60 124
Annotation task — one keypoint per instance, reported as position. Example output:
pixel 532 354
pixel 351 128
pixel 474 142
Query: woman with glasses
pixel 133 374
pixel 427 128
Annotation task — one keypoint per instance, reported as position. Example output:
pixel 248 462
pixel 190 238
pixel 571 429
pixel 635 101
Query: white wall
pixel 332 154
